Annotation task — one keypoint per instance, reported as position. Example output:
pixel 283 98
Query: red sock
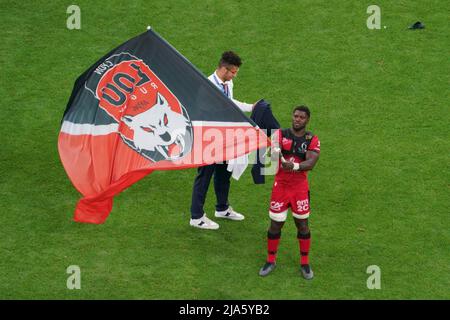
pixel 272 246
pixel 304 241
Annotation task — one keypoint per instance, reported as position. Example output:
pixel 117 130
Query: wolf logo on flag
pixel 159 129
pixel 136 98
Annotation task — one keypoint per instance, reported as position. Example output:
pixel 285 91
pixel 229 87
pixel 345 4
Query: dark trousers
pixel 201 185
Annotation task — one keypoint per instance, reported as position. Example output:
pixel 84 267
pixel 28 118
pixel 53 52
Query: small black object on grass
pixel 417 25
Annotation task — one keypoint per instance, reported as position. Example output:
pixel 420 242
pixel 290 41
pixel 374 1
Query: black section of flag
pixel 203 101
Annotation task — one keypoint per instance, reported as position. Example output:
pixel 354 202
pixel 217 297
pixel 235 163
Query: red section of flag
pixel 101 166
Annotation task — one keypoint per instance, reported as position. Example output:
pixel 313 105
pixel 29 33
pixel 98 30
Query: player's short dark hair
pixel 305 109
pixel 230 58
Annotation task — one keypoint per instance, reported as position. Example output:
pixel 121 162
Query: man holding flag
pixel 222 78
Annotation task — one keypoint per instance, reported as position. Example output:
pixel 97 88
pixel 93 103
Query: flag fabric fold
pixel 144 107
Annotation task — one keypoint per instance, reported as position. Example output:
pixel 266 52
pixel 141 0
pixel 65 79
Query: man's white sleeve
pixel 246 107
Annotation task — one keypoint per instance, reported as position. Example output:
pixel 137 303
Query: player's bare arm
pixel 311 159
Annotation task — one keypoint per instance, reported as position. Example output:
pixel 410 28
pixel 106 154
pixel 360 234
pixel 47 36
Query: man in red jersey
pixel 297 151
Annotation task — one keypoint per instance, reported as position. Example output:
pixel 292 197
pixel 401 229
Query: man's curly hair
pixel 304 109
pixel 230 58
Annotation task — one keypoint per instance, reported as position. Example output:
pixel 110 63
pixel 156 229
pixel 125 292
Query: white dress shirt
pixel 246 107
pixel 236 166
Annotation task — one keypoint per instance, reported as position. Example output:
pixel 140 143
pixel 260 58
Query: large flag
pixel 144 107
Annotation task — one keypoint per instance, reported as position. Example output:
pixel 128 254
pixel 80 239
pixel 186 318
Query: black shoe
pixel 306 271
pixel 266 269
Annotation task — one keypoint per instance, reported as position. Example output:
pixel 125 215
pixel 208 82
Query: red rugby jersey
pixel 294 149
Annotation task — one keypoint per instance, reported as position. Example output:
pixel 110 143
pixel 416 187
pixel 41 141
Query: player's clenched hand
pixel 287 166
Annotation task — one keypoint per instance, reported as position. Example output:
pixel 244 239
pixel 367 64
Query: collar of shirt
pixel 219 81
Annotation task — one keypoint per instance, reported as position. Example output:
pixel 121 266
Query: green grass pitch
pixel 380 192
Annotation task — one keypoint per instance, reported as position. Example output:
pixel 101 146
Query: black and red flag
pixel 144 107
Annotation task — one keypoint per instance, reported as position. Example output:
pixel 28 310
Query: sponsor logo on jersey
pixel 276 206
pixel 303 205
